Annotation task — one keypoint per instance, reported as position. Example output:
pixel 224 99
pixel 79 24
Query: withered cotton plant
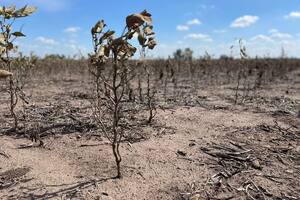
pixel 8 15
pixel 112 73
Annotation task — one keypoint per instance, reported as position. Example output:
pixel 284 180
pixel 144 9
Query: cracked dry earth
pixel 212 152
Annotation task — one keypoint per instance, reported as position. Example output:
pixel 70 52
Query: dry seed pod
pixel 5 74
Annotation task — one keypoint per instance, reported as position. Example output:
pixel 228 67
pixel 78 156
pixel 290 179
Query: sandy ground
pixel 177 161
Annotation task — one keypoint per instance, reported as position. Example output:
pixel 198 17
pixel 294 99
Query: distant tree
pixel 54 57
pixel 186 54
pixel 225 57
pixel 178 55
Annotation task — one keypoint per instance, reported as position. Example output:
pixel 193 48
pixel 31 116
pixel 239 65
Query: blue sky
pixel 63 26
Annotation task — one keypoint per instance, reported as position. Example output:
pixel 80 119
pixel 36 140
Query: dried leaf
pixel 4 73
pixel 1 10
pixel 101 51
pixel 29 10
pixel 10 9
pixel 148 30
pixel 10 46
pixel 2 38
pixel 117 42
pixel 136 20
pixel 18 34
pixel 146 16
pixel 25 11
pixel 107 34
pixel 130 34
pixel 151 43
pixel 106 51
pixel 98 27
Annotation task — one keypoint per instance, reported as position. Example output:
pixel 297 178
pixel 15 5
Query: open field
pixel 200 145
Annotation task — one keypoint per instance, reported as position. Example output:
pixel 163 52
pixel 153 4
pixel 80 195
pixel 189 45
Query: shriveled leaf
pixel 1 10
pixel 107 34
pixel 146 16
pixel 106 51
pixel 19 13
pixel 98 27
pixel 10 9
pixel 2 50
pixel 8 12
pixel 101 51
pixel 25 11
pixel 134 20
pixel 10 46
pixel 2 38
pixel 4 73
pixel 148 30
pixel 126 50
pixel 29 10
pixel 18 34
pixel 117 42
pixel 130 34
pixel 151 43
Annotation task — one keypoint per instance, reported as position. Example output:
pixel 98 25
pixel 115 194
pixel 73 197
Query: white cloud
pixel 204 6
pixel 262 38
pixel 220 31
pixel 47 41
pixel 72 29
pixel 182 28
pixel 273 30
pixel 294 14
pixel 199 36
pixel 278 35
pixel 244 21
pixel 194 22
pixel 188 24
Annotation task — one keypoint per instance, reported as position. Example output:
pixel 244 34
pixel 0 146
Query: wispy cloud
pixel 220 31
pixel 48 41
pixel 261 38
pixel 276 34
pixel 293 15
pixel 188 24
pixel 72 29
pixel 244 21
pixel 199 36
pixel 194 22
pixel 182 28
pixel 204 6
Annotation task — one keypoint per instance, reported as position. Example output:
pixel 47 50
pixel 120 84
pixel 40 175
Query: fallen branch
pixel 4 154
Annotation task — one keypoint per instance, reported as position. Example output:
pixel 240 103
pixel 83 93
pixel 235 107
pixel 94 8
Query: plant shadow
pixel 67 190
